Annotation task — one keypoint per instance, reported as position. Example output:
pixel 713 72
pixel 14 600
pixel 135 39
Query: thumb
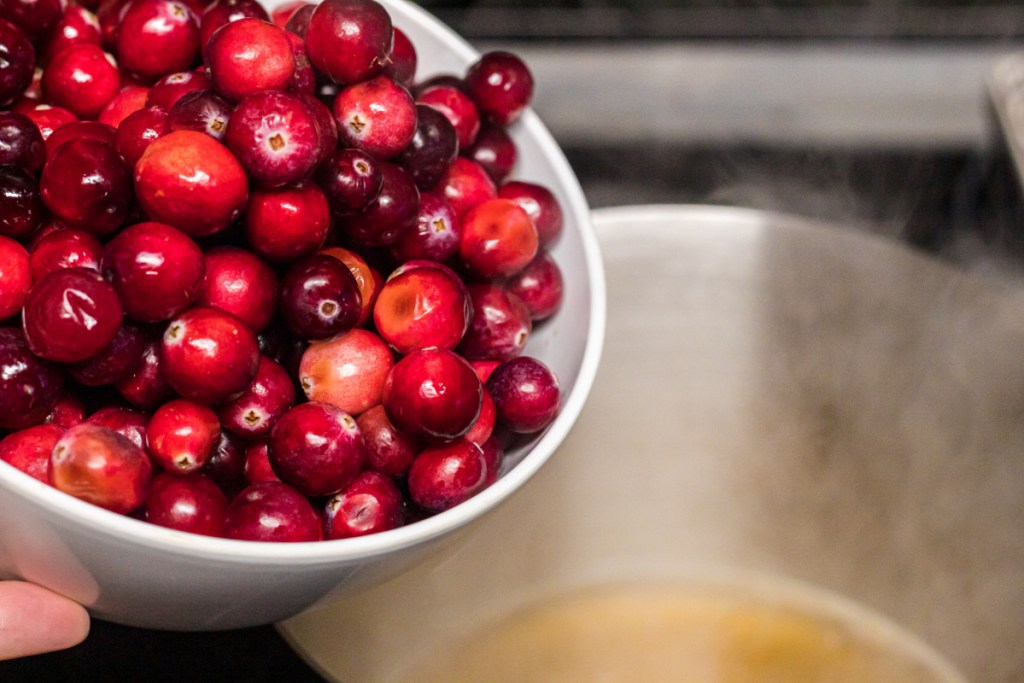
pixel 34 620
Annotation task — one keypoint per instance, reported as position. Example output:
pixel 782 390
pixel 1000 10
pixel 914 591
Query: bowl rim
pixel 172 541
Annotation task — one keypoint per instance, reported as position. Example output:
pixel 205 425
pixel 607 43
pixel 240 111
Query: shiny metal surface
pixel 775 396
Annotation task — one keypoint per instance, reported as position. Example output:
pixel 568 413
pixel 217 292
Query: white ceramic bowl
pixel 134 573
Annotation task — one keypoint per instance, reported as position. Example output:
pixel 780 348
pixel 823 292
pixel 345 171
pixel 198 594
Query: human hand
pixel 34 620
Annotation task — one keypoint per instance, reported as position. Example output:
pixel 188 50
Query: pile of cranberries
pixel 258 281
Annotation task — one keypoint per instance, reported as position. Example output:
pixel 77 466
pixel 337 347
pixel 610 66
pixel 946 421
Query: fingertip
pixel 34 620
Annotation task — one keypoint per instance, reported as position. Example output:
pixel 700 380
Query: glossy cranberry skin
pixel 319 298
pixel 138 131
pixel 21 143
pixel 433 394
pixel 541 205
pixel 370 281
pixel 370 504
pixel 316 448
pixel 275 137
pixel 386 218
pixel 540 286
pixel 17 62
pixel 349 40
pixel 102 467
pixel 15 277
pixel 249 56
pixel 494 150
pixel 35 17
pixel 377 116
pixel 498 239
pixel 423 306
pixel 272 511
pixel 21 209
pixel 526 395
pixel 157 37
pixel 388 450
pixel 181 436
pixel 457 107
pixel 82 78
pixel 432 149
pixel 87 186
pixel 348 371
pixel 192 182
pixel 93 130
pixel 466 184
pixel 209 356
pixel 326 127
pixel 113 362
pixel 351 179
pixel 145 387
pixel 500 327
pixel 166 92
pixel 67 412
pixel 77 25
pixel 222 12
pixel 402 67
pixel 70 315
pixel 126 102
pixel 255 412
pixel 191 503
pixel 482 429
pixel 501 85
pixel 226 466
pixel 29 450
pixel 29 385
pixel 125 421
pixel 287 223
pixel 203 111
pixel 444 476
pixel 435 236
pixel 239 282
pixel 257 464
pixel 63 248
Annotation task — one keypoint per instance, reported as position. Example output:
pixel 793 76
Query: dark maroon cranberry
pixel 500 324
pixel 114 362
pixel 21 143
pixel 272 511
pixel 249 56
pixel 319 298
pixel 157 37
pixel 203 111
pixel 494 455
pixel 257 464
pixel 540 286
pixel 280 345
pixel 226 466
pixel 102 467
pixel 317 448
pixel 253 414
pixel 501 85
pixel 526 395
pixel 402 66
pixel 349 40
pixel 191 503
pixel 378 116
pixel 87 186
pixel 29 450
pixel 21 209
pixel 494 150
pixel 146 387
pixel 540 204
pixel 35 17
pixel 422 305
pixel 70 315
pixel 156 270
pixel 93 130
pixel 125 421
pixel 209 356
pixel 442 477
pixel 432 149
pixel 435 236
pixel 433 394
pixel 181 436
pixel 370 504
pixel 29 385
pixel 172 87
pixel 17 62
pixel 386 218
pixel 237 281
pixel 275 137
pixel 351 179
pixel 388 450
pixel 457 107
pixel 138 130
pixel 287 223
pixel 222 12
pixel 298 22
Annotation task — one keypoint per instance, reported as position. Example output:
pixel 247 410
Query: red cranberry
pixel 494 150
pixel 484 368
pixel 102 467
pixel 348 371
pixel 500 326
pixel 157 37
pixel 351 179
pixel 113 362
pixel 370 504
pixel 237 281
pixel 209 356
pixel 166 92
pixel 433 394
pixel 76 26
pixel 192 503
pixel 21 209
pixel 304 78
pixel 17 62
pixel 501 86
pixel 369 280
pixel 326 127
pixel 442 477
pixel 402 67
pixel 541 205
pixel 484 425
pixel 29 450
pixel 70 315
pixel 465 185
pixel 494 455
pixel 181 436
pixel 436 235
pixel 540 286
pixel 249 56
pixel 93 130
pixel 138 131
pixel 432 149
pixel 109 13
pixel 226 466
pixel 255 412
pixel 317 448
pixel 526 395
pixel 377 116
pixel 272 511
pixel 287 223
pixel 202 111
pixel 47 118
pixel 457 107
pixel 35 17
pixel 498 239
pixel 294 16
pixel 393 212
pixel 125 421
pixel 67 412
pixel 421 307
pixel 222 12
pixel 63 248
pixel 388 450
pixel 15 277
pixel 82 78
pixel 29 385
pixel 257 464
pixel 126 102
pixel 319 298
pixel 21 143
pixel 192 182
pixel 87 186
pixel 145 387
pixel 275 137
pixel 349 40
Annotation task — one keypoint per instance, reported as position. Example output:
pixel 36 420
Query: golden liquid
pixel 636 633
